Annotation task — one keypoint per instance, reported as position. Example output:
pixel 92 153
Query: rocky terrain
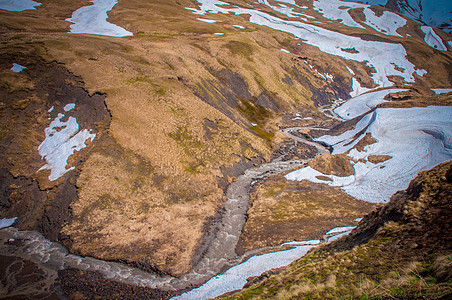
pixel 147 146
pixel 402 250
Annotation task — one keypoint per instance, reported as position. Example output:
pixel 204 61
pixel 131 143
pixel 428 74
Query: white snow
pixel 7 222
pixel 432 39
pixel 340 229
pixel 338 236
pixel 18 5
pixel 415 138
pixel 372 2
pixel 358 219
pixel 235 277
pixel 288 2
pixel 93 20
pixel 338 10
pixel 350 70
pixel 285 51
pixel 218 33
pixel 387 23
pixel 238 26
pixel 308 173
pixel 357 89
pixel 51 109
pixel 421 72
pixel 62 139
pixel 361 104
pixel 375 54
pixel 442 91
pixel 17 68
pixel 299 243
pixel 69 107
pixel 208 20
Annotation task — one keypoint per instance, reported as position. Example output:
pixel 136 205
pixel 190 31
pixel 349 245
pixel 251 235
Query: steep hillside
pixel 401 250
pixel 160 143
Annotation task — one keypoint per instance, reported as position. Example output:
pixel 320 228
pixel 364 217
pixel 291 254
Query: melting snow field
pixel 363 103
pixel 93 20
pixel 235 277
pixel 415 138
pixel 432 39
pixel 387 23
pixel 62 140
pixel 18 5
pixel 373 53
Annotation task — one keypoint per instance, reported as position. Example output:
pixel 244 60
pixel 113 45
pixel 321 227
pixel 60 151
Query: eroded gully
pixel 219 256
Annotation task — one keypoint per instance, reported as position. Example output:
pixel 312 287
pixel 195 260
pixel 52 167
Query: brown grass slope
pixel 181 101
pixel 402 250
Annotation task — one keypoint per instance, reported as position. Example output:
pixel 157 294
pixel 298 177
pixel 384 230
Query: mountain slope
pixel 121 134
pixel 400 250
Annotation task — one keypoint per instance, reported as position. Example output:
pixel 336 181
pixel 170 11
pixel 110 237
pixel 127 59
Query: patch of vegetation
pixel 240 48
pixel 257 114
pixel 400 251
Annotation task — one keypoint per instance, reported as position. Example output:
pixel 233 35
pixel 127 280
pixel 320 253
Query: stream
pixel 220 255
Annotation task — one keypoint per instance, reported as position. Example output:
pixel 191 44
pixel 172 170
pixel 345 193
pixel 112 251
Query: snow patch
pixel 285 51
pixel 387 23
pixel 421 72
pixel 93 20
pixel 341 229
pixel 363 103
pixel 208 21
pixel 62 140
pixel 238 26
pixel 375 54
pixel 338 10
pixel 18 5
pixel 442 91
pixel 69 107
pixel 7 222
pixel 417 138
pixel 235 277
pixel 308 173
pixel 357 89
pixel 432 39
pixel 17 68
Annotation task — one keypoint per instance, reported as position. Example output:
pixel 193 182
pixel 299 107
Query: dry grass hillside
pixel 180 113
pixel 402 250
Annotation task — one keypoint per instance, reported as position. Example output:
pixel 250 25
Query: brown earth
pixel 375 159
pixel 181 102
pixel 401 250
pixel 328 164
pixel 40 204
pixel 283 210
